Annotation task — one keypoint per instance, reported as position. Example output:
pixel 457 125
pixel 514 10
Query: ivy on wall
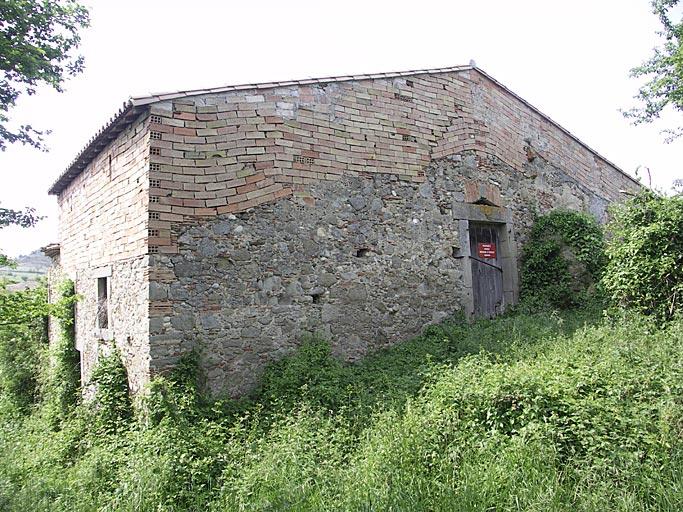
pixel 562 260
pixel 64 376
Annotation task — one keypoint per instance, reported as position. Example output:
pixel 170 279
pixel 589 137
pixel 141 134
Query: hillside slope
pixel 527 412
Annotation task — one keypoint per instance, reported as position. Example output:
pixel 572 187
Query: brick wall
pixel 224 153
pixel 103 225
pixel 215 155
pixel 194 161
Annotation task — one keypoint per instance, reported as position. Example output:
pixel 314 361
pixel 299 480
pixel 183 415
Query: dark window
pixel 103 302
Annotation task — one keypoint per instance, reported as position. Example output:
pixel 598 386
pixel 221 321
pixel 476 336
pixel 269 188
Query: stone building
pixel 235 220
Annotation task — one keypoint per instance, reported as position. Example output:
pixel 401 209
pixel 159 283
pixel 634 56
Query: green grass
pixel 541 412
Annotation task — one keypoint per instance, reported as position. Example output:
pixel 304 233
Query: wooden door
pixel 487 273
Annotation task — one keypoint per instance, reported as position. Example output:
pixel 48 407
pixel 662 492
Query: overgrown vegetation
pixel 23 336
pixel 529 412
pixel 562 260
pixel 645 270
pixel 575 410
pixel 63 375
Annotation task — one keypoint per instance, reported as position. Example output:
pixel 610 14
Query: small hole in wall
pixel 155 135
pixel 402 97
pixel 154 249
pixel 154 199
pixel 363 252
pixel 455 252
pixel 154 167
pixel 409 83
pixel 155 119
pixel 155 183
pixel 153 232
pixel 304 159
pixel 153 215
pixel 317 297
pixel 155 151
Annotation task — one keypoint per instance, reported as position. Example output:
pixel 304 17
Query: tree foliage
pixel 63 378
pixel 664 71
pixel 645 268
pixel 37 43
pixel 23 336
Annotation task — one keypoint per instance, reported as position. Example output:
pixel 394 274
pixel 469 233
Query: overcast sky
pixel 570 59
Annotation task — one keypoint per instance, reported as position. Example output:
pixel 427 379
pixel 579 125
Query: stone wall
pixel 224 153
pixel 234 222
pixel 103 231
pixel 366 262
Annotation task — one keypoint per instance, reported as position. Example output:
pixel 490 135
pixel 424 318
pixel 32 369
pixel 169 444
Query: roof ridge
pixel 154 97
pixel 136 104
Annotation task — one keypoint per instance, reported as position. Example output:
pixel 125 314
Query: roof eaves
pixel 135 105
pixel 99 141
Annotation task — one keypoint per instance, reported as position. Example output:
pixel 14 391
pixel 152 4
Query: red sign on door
pixel 486 251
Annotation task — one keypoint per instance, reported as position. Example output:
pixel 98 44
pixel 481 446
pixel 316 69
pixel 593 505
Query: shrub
pixel 112 404
pixel 645 255
pixel 23 340
pixel 562 260
pixel 309 372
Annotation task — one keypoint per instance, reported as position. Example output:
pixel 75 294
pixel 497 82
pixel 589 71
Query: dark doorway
pixel 487 271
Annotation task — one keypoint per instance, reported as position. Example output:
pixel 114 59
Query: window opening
pixel 103 302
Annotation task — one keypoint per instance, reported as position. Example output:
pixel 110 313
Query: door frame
pixel 466 213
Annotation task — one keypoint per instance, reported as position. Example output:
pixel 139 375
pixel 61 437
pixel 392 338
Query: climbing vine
pixel 64 375
pixel 562 260
pixel 112 405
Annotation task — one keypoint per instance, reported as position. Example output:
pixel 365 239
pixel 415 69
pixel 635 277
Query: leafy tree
pixel 664 70
pixel 645 268
pixel 37 41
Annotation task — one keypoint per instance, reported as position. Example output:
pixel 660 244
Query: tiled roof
pixel 135 105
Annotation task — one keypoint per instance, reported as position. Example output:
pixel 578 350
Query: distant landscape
pixel 28 270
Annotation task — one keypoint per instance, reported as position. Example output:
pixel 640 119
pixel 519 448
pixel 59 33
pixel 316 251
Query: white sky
pixel 570 59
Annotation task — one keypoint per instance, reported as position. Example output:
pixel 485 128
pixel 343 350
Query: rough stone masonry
pixel 236 221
